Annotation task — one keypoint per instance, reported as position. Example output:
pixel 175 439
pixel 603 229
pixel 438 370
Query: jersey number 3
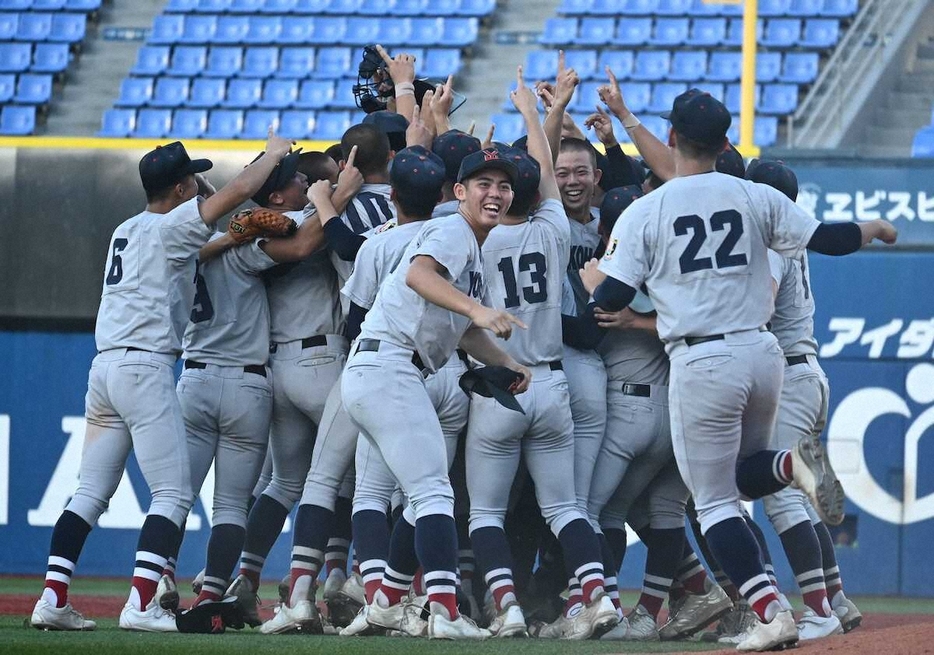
pixel 534 263
pixel 725 257
pixel 203 309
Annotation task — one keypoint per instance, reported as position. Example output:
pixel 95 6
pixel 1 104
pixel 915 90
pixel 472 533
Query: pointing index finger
pixel 351 157
pixel 560 62
pixel 381 51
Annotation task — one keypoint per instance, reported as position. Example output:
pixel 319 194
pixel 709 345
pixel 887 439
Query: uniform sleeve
pixel 363 283
pixel 789 228
pixel 446 246
pixel 568 300
pixel 250 258
pixel 552 213
pixel 776 266
pixel 183 231
pixel 626 257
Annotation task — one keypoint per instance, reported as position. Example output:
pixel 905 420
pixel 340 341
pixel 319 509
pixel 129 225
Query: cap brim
pixel 666 115
pixel 506 399
pixel 500 164
pixel 199 166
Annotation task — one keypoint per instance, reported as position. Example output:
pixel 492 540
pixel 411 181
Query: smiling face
pixel 484 198
pixel 292 196
pixel 577 178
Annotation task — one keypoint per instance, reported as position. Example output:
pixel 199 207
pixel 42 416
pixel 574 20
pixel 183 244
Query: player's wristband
pixel 631 122
pixel 405 89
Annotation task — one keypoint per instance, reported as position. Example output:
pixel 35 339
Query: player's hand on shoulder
pixel 320 190
pixel 497 321
pixel 592 276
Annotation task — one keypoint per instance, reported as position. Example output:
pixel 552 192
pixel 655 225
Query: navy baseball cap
pixel 391 124
pixel 166 165
pixel 281 175
pixel 731 162
pixel 417 170
pixel 528 175
pixel 776 174
pixel 484 159
pixel 615 202
pixel 700 117
pixel 452 147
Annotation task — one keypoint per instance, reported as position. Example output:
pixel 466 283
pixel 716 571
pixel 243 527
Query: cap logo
pixel 490 155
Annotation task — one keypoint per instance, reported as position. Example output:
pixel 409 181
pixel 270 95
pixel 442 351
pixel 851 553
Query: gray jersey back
pixel 524 267
pixel 793 320
pixel 584 241
pixel 303 297
pixel 379 256
pixel 401 316
pixel 149 280
pixel 369 209
pixel 229 323
pixel 636 356
pixel 700 243
pixel 445 208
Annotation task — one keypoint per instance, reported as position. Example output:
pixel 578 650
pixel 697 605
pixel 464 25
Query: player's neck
pixel 582 216
pixel 403 219
pixel 376 178
pixel 513 220
pixel 162 206
pixel 685 167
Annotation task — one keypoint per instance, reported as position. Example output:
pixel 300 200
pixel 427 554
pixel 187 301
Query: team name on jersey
pixel 476 285
pixel 580 255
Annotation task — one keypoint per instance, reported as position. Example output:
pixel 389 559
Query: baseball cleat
pixel 777 634
pixel 333 584
pixel 849 615
pixel 440 627
pixel 152 619
pixel 815 477
pixel 303 617
pixel 734 624
pixel 695 612
pixel 619 633
pixel 812 626
pixel 509 623
pixel 242 588
pixel 414 620
pixel 197 583
pixel 360 627
pixel 46 616
pixel 353 589
pixel 595 619
pixel 283 589
pixel 388 618
pixel 642 626
pixel 557 628
pixel 167 593
pixel 343 606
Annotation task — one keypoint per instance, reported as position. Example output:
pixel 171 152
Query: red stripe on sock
pixel 591 589
pixel 652 604
pixel 252 576
pixel 448 600
pixel 146 589
pixel 759 606
pixel 205 596
pixel 61 591
pixel 696 583
pixel 816 601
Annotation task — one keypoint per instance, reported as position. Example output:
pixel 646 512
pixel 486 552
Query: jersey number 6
pixel 725 258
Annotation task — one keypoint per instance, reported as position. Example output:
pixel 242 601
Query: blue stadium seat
pixel 595 31
pixel 263 30
pixel 170 92
pixel 343 7
pixel 607 7
pixel 774 8
pixel 806 8
pixel 779 99
pixel 315 94
pixel 734 32
pixel 188 61
pixel 212 6
pixel 332 63
pixel 256 123
pixel 724 66
pixel 704 9
pixel 207 92
pixel 670 32
pixel 118 123
pixel 224 61
pixel 664 94
pixel 135 92
pixel 243 93
pixel 459 32
pixel 15 5
pixel 575 8
pixel 181 6
pixel 768 66
pixel 633 31
pixel 260 61
pixel 7 87
pixel 331 125
pixel 34 27
pixel 410 8
pixel 279 94
pixel 839 8
pixel 9 26
pixel 224 124
pixel 715 89
pixel 394 31
pixel 15 57
pixel 657 125
pixel 640 7
pixel 651 65
pixel 621 62
pixel 820 33
pixel 509 127
pixel 707 32
pixel 441 63
pixel 426 31
pixel 167 29
pixel 377 8
pixel 189 123
pixel 329 30
pixel 343 94
pixel 296 63
pixel 86 6
pixel 151 60
pixel 231 30
pixel 297 124
pixel 68 28
pixel 781 33
pixel 733 97
pixel 476 8
pixel 688 66
pixel 443 8
pixel 765 131
pixel 279 7
pixel 297 30
pixel 246 6
pixel 800 67
pixel 48 5
pixel 199 29
pixel 923 143
pixel 540 64
pixel 582 61
pixel 559 31
pixel 153 123
pixel 674 8
pixel 637 94
pixel 361 31
pixel 17 121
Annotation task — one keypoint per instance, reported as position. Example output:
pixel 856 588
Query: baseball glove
pixel 497 382
pixel 259 222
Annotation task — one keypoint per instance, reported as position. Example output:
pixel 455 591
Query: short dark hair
pixel 334 152
pixel 158 195
pixel 415 205
pixel 697 150
pixel 571 144
pixel 372 148
pixel 315 165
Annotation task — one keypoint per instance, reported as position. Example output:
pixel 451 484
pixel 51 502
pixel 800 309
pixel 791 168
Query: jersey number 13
pixel 729 220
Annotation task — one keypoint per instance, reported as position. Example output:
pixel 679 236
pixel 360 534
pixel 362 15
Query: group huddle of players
pixel 327 369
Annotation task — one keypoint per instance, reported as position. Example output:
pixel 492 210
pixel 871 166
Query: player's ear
pixel 597 175
pixel 460 191
pixel 672 141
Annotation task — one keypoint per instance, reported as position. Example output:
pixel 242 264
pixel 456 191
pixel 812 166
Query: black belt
pixel 372 345
pixel 693 341
pixel 556 365
pixel 796 359
pixel 641 390
pixel 307 342
pixel 256 369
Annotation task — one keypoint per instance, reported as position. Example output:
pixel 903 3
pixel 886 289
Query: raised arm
pixel 525 101
pixel 565 83
pixel 402 71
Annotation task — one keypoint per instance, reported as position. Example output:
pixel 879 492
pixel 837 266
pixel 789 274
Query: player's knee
pixel 710 516
pixel 229 515
pixel 319 494
pixel 284 492
pixel 485 519
pixel 666 513
pixel 440 501
pixel 557 517
pixel 88 507
pixel 786 509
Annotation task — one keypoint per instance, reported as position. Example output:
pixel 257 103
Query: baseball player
pixel 712 293
pixel 131 403
pixel 452 146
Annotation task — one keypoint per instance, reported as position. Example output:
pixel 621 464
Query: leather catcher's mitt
pixel 497 382
pixel 259 222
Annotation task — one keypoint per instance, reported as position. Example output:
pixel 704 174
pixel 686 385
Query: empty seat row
pixel 225 123
pixel 818 33
pixel 312 30
pixel 923 143
pixel 85 6
pixel 26 88
pixel 270 61
pixel 35 27
pixel 41 58
pixel 767 8
pixel 477 8
pixel 681 66
pixel 238 93
pixel 17 120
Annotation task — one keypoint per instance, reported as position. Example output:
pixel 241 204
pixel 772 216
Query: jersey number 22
pixel 728 219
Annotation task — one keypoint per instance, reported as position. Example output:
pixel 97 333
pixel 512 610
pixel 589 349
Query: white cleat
pixel 695 612
pixel 46 616
pixel 559 627
pixel 303 617
pixel 333 585
pixel 812 626
pixel 167 594
pixel 509 623
pixel 778 634
pixel 198 583
pixel 849 615
pixel 242 588
pixel 642 626
pixel 360 627
pixel 388 618
pixel 152 619
pixel 440 627
pixel 353 589
pixel 619 633
pixel 413 624
pixel 595 619
pixel 735 623
pixel 815 477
